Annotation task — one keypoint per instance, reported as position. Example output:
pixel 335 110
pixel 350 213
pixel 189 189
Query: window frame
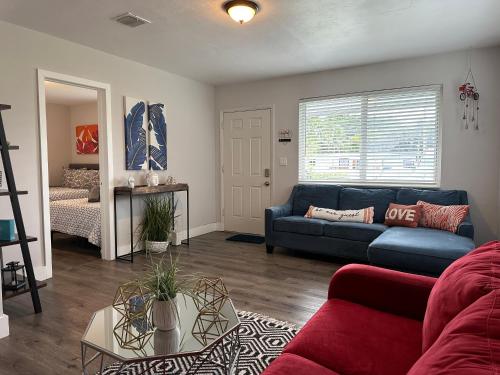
pixel 439 142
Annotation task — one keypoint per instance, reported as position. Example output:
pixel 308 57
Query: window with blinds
pixel 389 137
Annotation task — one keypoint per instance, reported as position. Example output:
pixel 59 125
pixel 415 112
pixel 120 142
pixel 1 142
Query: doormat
pixel 250 238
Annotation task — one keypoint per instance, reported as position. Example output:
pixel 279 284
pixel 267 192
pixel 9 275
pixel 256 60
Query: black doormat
pixel 250 238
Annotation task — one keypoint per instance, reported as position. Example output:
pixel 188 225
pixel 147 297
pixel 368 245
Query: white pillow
pixel 364 215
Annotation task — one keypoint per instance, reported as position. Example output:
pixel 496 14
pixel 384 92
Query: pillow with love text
pixel 364 215
pixel 399 215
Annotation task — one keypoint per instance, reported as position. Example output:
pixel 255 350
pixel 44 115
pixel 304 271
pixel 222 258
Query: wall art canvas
pixel 157 137
pixel 87 139
pixel 135 134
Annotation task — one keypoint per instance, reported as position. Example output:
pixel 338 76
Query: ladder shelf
pixel 21 239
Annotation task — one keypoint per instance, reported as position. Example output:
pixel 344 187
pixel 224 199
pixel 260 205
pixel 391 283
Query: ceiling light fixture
pixel 241 11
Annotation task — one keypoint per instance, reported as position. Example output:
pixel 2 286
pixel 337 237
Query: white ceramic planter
pixel 156 246
pixel 165 314
pixel 166 342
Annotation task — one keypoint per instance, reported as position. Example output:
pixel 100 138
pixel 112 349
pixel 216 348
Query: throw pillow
pixel 95 194
pixel 403 216
pixel 442 217
pixel 80 178
pixel 364 215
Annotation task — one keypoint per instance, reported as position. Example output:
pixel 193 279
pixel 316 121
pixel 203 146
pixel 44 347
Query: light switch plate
pixel 283 161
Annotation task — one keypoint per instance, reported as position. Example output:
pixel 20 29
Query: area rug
pixel 250 238
pixel 262 340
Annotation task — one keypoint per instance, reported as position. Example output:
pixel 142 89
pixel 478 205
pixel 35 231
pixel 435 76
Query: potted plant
pixel 164 283
pixel 157 224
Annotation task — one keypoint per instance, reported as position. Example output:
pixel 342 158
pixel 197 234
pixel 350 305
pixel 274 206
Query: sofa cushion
pixel 353 339
pixel 299 224
pixel 470 343
pixel 326 196
pixel 355 199
pixel 443 197
pixel 293 364
pixel 354 231
pixel 460 285
pixel 423 250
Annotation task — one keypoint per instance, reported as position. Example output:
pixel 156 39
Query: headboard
pixel 84 166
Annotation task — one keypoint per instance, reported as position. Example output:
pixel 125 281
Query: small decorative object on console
pixel 171 180
pixel 131 182
pixel 15 280
pixel 152 179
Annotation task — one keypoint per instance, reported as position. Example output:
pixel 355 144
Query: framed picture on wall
pixel 157 137
pixel 87 139
pixel 135 134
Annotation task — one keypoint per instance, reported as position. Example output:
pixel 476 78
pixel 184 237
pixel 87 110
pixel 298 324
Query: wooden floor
pixel 285 285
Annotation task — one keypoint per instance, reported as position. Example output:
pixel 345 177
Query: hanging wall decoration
pixel 157 137
pixel 135 134
pixel 87 139
pixel 470 96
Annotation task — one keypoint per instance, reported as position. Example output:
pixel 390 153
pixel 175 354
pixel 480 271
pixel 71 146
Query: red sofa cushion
pixel 293 364
pixel 354 339
pixel 462 283
pixel 470 343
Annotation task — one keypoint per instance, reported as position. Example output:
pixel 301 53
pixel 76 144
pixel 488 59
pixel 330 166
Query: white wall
pixel 58 141
pixel 83 114
pixel 190 114
pixel 470 159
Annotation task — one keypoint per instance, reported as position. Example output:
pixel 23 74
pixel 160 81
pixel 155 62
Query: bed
pixel 77 217
pixel 70 210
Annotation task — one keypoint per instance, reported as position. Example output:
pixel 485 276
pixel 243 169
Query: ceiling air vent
pixel 131 20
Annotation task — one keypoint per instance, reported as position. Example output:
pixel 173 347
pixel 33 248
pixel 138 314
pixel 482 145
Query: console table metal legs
pixel 144 190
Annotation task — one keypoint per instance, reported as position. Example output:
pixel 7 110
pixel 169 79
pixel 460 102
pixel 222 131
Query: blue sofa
pixel 418 250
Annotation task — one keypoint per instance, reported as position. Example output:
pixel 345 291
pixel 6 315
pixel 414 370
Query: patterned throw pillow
pixel 442 217
pixel 80 178
pixel 403 216
pixel 364 215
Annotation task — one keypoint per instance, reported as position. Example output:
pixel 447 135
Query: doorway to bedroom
pixel 76 169
pixel 73 166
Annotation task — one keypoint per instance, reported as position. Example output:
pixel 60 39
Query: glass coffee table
pixel 198 343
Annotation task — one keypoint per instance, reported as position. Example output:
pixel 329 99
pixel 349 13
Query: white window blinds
pixel 389 137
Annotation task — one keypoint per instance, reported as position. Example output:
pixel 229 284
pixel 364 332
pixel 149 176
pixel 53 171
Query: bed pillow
pixel 364 215
pixel 399 215
pixel 94 194
pixel 442 217
pixel 80 178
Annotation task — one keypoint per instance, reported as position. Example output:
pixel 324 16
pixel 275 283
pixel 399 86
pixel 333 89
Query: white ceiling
pixel 58 93
pixel 195 38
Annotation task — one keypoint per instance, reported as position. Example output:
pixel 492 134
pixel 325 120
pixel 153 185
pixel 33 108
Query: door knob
pixel 267 183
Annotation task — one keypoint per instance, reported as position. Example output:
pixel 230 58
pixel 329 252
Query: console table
pixel 141 191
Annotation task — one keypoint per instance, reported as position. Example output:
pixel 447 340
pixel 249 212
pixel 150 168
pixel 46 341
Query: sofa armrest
pixel 466 229
pixel 386 290
pixel 273 213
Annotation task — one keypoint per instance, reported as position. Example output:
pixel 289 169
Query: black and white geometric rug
pixel 262 340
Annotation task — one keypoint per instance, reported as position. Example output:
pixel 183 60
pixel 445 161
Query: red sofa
pixel 378 321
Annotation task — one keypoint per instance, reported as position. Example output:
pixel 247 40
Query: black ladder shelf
pixel 21 238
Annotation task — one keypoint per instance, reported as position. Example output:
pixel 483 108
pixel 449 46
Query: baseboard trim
pixel 4 326
pixel 178 237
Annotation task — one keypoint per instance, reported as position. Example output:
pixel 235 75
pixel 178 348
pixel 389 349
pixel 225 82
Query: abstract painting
pixel 135 134
pixel 157 137
pixel 87 139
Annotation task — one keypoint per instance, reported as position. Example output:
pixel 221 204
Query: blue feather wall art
pixel 135 134
pixel 157 137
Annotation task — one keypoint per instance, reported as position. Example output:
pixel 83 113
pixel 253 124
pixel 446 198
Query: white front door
pixel 246 169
